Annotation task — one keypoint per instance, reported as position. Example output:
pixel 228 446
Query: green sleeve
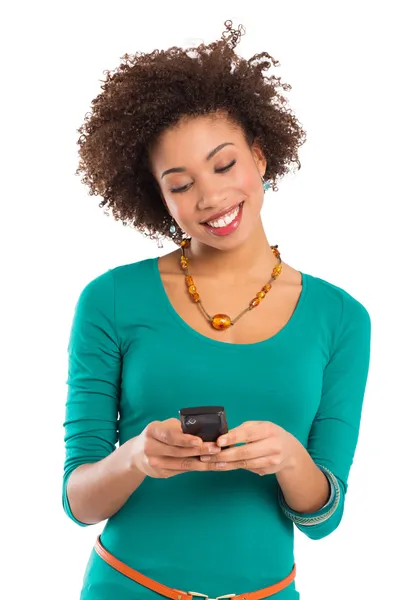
pixel 335 429
pixel 94 368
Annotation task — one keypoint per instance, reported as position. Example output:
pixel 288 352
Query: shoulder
pixel 101 288
pixel 336 300
pixel 131 272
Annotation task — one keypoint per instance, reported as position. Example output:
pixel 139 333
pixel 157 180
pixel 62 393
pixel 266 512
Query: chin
pixel 234 234
pixel 229 242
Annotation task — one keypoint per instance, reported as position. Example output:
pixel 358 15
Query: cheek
pixel 180 210
pixel 172 205
pixel 249 181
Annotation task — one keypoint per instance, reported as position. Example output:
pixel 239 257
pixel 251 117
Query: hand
pixel 163 450
pixel 267 449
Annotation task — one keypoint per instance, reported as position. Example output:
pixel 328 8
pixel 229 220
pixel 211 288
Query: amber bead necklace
pixel 222 321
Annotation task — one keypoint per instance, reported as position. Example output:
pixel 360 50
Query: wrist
pixel 295 455
pixel 129 454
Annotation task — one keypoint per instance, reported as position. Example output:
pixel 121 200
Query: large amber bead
pixel 255 302
pixel 185 243
pixel 189 280
pixel 192 289
pixel 221 321
pixel 267 288
pixel 261 295
pixel 196 297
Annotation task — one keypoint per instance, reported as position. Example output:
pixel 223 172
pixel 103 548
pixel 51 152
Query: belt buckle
pixel 206 597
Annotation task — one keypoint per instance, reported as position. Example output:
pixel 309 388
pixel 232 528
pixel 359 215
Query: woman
pixel 182 144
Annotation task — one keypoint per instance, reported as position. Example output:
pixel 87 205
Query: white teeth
pixel 226 219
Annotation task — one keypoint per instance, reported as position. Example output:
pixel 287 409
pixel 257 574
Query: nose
pixel 211 197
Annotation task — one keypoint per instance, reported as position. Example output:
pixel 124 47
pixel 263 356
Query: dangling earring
pixel 266 184
pixel 172 230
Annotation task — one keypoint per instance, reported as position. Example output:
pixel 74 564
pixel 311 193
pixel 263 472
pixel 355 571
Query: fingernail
pixel 223 442
pixel 205 458
pixel 196 443
pixel 220 465
pixel 214 449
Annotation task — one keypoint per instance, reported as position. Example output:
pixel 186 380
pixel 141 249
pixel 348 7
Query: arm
pixel 97 491
pixel 98 479
pixel 334 432
pixel 304 486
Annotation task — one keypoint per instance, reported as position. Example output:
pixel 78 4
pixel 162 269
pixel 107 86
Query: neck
pixel 249 259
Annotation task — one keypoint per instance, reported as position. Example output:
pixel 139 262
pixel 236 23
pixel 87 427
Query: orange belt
pixel 175 594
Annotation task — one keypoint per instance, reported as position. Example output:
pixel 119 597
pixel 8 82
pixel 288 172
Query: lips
pixel 227 229
pixel 220 214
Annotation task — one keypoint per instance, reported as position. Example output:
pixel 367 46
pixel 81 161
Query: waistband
pixel 175 594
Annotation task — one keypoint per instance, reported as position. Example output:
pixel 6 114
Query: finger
pixel 166 473
pixel 273 465
pixel 176 464
pixel 170 432
pixel 156 448
pixel 262 448
pixel 264 465
pixel 251 431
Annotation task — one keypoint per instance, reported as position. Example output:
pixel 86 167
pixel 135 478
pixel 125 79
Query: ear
pixel 259 157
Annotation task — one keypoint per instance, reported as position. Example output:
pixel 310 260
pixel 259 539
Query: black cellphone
pixel 206 422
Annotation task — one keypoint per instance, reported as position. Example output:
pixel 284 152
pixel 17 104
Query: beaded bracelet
pixel 315 518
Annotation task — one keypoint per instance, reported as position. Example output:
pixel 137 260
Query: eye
pixel 181 189
pixel 186 187
pixel 223 169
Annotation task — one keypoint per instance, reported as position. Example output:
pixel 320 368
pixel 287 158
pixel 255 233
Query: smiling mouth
pixel 227 224
pixel 225 219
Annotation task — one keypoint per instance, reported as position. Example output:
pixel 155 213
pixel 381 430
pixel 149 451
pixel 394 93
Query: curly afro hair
pixel 148 93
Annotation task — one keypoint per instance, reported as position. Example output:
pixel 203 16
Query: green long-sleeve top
pixel 133 360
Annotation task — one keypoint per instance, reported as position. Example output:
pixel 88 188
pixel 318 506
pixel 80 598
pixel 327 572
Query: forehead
pixel 191 139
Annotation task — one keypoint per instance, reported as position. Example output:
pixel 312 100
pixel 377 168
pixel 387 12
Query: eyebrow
pixel 208 157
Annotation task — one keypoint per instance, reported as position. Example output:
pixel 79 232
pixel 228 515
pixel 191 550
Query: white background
pixel 333 219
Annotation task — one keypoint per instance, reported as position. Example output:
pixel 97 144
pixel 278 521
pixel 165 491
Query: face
pixel 210 180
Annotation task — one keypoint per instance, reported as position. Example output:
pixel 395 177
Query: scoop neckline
pixel 218 343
